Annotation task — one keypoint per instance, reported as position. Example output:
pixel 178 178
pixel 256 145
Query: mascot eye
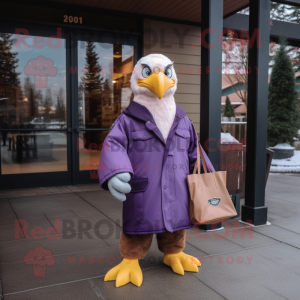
pixel 146 72
pixel 168 72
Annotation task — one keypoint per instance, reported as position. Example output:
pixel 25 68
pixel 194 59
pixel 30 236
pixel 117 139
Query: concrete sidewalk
pixel 260 263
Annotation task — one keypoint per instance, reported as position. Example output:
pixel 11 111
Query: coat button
pixel 148 122
pixel 144 137
pixel 165 187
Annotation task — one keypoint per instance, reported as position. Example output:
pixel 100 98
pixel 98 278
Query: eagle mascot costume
pixel 147 156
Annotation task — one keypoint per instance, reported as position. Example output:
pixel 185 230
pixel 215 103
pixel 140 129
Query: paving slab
pixel 111 206
pixel 103 201
pixel 292 224
pixel 116 217
pixel 284 209
pixel 274 217
pixel 5 206
pixel 59 212
pixel 130 291
pixel 32 216
pixel 84 210
pixel 285 197
pixel 248 238
pixel 7 215
pixel 294 242
pixel 48 208
pixel 273 273
pixel 17 200
pixel 159 283
pixel 74 266
pixel 34 229
pixel 284 179
pixel 94 195
pixel 72 291
pixel 7 233
pixel 69 267
pixel 16 250
pixel 281 191
pixel 211 243
pixel 276 233
pixel 86 224
pixel 7 219
pixel 39 204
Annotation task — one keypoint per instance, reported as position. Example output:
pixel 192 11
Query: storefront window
pixel 32 82
pixel 32 97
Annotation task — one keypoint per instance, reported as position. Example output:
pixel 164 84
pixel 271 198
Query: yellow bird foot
pixel 128 270
pixel 181 262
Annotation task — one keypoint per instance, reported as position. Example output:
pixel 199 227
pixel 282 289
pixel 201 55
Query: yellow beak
pixel 157 83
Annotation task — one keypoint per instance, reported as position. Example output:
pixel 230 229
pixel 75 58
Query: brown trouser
pixel 136 246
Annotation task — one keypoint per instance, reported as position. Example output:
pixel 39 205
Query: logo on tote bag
pixel 214 201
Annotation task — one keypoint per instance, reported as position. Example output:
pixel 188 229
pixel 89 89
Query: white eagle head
pixel 153 84
pixel 154 77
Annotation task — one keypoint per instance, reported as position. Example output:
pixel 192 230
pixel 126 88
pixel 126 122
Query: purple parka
pixel 159 196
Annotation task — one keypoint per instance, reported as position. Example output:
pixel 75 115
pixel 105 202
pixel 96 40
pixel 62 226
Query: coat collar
pixel 138 111
pixel 141 112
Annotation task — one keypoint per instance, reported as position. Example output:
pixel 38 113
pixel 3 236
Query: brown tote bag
pixel 209 198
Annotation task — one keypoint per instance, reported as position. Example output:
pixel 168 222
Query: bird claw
pixel 181 262
pixel 127 271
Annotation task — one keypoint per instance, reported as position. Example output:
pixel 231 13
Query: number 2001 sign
pixel 71 19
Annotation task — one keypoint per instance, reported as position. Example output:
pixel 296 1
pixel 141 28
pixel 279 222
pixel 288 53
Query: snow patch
pixel 288 165
pixel 228 138
pixel 285 169
pixel 283 146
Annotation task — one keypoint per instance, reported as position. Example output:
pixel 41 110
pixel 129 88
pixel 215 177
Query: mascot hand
pixel 118 185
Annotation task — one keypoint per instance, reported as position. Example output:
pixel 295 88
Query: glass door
pixel 103 68
pixel 60 91
pixel 33 107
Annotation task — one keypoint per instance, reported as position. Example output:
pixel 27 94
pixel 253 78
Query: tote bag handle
pixel 204 158
pixel 200 157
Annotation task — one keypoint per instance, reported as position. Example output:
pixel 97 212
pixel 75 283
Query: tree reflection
pixel 30 94
pixel 92 82
pixel 10 91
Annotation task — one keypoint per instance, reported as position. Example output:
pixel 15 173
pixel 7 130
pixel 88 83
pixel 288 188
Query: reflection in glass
pixel 33 152
pixel 89 152
pixel 104 71
pixel 32 83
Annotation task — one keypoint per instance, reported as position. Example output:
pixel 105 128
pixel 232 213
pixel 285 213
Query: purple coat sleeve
pixel 114 158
